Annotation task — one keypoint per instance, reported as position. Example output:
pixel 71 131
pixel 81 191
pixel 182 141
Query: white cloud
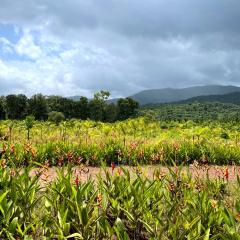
pixel 27 47
pixel 65 48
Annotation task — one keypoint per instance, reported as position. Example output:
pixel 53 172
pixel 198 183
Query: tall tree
pixel 82 108
pixel 61 104
pixel 127 108
pixel 37 106
pixel 2 108
pixel 16 106
pixel 97 105
pixel 110 113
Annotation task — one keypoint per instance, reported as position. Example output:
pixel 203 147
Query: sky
pixel 78 47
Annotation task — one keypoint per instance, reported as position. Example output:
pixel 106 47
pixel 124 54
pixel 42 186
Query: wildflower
pixel 177 170
pixel 213 203
pixel 33 151
pixel 226 174
pixel 3 163
pixel 79 160
pixel 70 156
pixel 12 148
pixel 4 148
pixel 45 176
pixel 175 146
pixel 237 217
pixel 60 161
pixel 77 181
pixel 12 172
pixel 119 171
pixel 139 170
pixel 113 166
pixel 99 197
pixel 171 186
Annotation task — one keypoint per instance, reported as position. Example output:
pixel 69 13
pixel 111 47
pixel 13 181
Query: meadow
pixel 118 204
pixel 130 142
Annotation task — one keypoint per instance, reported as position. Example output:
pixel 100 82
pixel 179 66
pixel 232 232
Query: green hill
pixel 226 98
pixel 168 95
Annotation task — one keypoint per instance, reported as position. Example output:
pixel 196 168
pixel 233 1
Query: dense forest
pixel 233 98
pixel 41 107
pixel 206 111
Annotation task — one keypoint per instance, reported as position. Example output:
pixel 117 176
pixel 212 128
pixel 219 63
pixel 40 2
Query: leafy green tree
pixel 97 105
pixel 16 106
pixel 127 108
pixel 37 106
pixel 2 109
pixel 63 105
pixel 82 108
pixel 56 117
pixel 29 123
pixel 110 113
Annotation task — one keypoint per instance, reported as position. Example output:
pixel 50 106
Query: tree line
pixel 18 106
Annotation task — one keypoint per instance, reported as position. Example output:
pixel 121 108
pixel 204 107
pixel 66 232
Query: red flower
pixel 226 174
pixel 77 181
pixel 113 166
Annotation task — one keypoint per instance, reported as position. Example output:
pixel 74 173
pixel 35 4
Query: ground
pixel 229 173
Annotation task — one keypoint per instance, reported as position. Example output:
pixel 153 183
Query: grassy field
pixel 118 203
pixel 132 142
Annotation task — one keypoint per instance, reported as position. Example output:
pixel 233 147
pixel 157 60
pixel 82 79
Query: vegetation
pixel 198 112
pixel 233 98
pixel 167 95
pixel 132 142
pixel 17 107
pixel 117 206
pixel 122 202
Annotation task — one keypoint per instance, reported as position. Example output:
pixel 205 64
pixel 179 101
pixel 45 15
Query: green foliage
pixel 56 117
pixel 2 109
pixel 16 106
pixel 117 205
pixel 37 106
pixel 134 141
pixel 29 123
pixel 126 108
pixel 82 108
pixel 198 112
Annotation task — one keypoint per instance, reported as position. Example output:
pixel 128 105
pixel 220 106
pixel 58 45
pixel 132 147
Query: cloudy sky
pixel 77 47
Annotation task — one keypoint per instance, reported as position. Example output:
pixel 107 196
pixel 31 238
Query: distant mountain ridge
pixel 233 98
pixel 168 95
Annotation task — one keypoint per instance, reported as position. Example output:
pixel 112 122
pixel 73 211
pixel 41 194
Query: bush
pixel 56 117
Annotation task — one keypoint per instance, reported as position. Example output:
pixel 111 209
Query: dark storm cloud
pixel 144 44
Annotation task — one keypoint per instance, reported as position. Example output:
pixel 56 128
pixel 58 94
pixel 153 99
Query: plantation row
pixel 196 111
pixel 60 154
pixel 131 142
pixel 117 206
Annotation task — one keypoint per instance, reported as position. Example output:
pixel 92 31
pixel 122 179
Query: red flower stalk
pixel 77 181
pixel 226 174
pixel 113 166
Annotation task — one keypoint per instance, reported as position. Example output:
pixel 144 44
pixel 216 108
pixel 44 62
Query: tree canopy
pixel 39 106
